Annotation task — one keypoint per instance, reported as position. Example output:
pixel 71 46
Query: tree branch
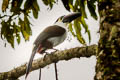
pixel 49 59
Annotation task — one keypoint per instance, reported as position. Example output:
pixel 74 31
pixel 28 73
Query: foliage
pixel 80 6
pixel 15 24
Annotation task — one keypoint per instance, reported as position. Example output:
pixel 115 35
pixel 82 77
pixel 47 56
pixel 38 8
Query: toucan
pixel 51 36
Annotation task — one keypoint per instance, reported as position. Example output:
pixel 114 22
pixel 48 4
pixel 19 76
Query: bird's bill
pixel 30 64
pixel 70 17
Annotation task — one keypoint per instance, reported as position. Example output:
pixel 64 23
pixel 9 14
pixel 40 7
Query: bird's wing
pixel 29 64
pixel 31 60
pixel 51 31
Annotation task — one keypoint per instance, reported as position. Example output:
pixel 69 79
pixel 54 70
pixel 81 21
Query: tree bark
pixel 49 59
pixel 108 54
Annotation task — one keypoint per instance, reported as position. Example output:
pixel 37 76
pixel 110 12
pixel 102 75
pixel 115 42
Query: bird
pixel 51 36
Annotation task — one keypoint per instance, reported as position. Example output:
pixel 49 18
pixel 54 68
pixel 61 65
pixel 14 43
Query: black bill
pixel 71 17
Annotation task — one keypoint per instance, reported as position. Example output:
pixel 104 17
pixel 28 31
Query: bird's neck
pixel 61 24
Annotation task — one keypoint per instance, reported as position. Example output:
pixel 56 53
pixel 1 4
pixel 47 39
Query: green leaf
pixel 81 39
pixel 19 3
pixel 76 6
pixel 16 4
pixel 23 30
pixel 82 7
pixel 27 25
pixel 49 3
pixel 35 13
pixel 92 8
pixel 18 38
pixel 5 5
pixel 3 29
pixel 7 32
pixel 67 4
pixel 28 4
pixel 78 32
pixel 21 23
pixel 10 39
pixel 89 36
pixel 36 6
pixel 10 35
pixel 85 26
pixel 71 29
pixel 26 35
pixel 71 6
pixel 45 2
pixel 35 9
pixel 16 29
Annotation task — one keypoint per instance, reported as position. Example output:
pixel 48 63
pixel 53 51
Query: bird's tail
pixel 30 64
pixel 35 49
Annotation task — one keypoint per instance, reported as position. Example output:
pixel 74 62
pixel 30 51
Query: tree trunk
pixel 108 53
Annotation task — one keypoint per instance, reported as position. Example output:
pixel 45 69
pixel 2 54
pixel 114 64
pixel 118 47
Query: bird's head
pixel 68 18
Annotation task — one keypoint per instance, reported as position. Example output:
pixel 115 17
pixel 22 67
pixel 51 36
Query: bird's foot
pixel 48 53
pixel 45 55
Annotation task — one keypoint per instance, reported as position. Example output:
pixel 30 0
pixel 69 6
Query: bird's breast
pixel 57 40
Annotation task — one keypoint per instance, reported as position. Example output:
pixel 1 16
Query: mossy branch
pixel 49 59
